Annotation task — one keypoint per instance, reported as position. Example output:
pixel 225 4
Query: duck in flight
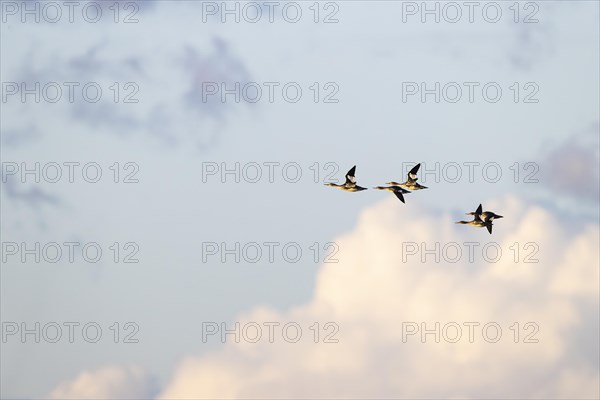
pixel 485 214
pixel 350 184
pixel 411 180
pixel 397 190
pixel 479 223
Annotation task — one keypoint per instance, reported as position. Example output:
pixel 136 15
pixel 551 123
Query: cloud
pixel 546 311
pixel 32 196
pixel 170 120
pixel 108 383
pixel 370 293
pixel 221 67
pixel 27 202
pixel 572 167
pixel 533 43
pixel 152 89
pixel 20 137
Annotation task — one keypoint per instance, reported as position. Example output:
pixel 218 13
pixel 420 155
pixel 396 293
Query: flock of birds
pixel 480 218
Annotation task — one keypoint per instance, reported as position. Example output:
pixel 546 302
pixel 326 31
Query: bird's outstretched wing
pixel 350 176
pixel 479 210
pixel 399 195
pixel 412 174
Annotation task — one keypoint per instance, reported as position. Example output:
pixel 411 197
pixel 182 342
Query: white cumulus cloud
pixel 373 297
pixel 107 383
pixel 394 322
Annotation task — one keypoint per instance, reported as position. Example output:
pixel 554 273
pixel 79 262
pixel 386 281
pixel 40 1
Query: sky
pixel 177 240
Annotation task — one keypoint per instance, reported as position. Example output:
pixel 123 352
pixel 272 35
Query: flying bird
pixel 350 184
pixel 484 215
pixel 411 180
pixel 479 223
pixel 482 218
pixel 397 190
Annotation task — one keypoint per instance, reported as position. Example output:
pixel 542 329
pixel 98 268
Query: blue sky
pixel 171 134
